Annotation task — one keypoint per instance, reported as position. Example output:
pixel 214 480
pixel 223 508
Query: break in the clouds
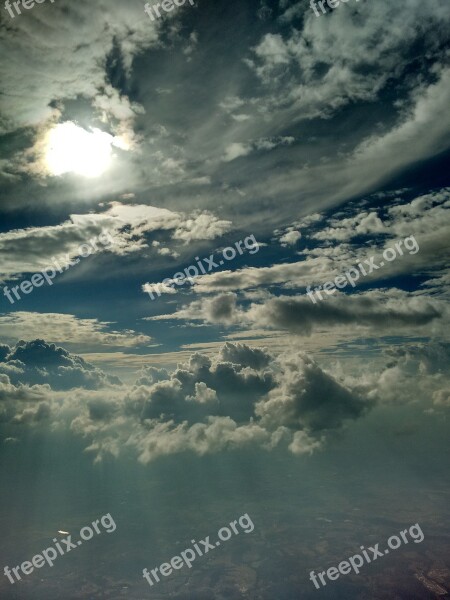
pixel 330 246
pixel 333 245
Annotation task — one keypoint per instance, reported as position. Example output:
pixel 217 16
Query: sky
pixel 173 193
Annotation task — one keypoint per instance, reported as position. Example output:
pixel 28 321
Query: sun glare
pixel 72 149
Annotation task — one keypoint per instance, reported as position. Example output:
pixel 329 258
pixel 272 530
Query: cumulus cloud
pixel 241 396
pixel 427 359
pixel 241 354
pixel 346 229
pixel 441 398
pixel 203 226
pixel 37 363
pixel 10 391
pixel 23 403
pixel 290 238
pixel 36 414
pixel 413 373
pixel 309 399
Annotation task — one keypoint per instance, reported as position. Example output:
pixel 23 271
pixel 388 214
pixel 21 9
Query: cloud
pixel 20 392
pixel 240 397
pixel 101 410
pixel 290 238
pixel 208 406
pixel 346 229
pixel 41 412
pixel 302 443
pixel 427 359
pixel 75 44
pixel 63 328
pixel 300 273
pixel 343 242
pixel 244 355
pixel 218 434
pixel 34 248
pixel 219 309
pixel 309 399
pixel 39 363
pixel 377 311
pixel 314 69
pixel 380 311
pixel 393 150
pixel 441 398
pixel 127 225
pixel 203 226
pixel 331 62
pixel 203 394
pixel 413 373
pixel 237 149
pixel 150 375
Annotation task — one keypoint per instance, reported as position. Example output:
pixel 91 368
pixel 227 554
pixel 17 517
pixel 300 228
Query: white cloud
pixel 290 238
pixel 64 328
pixel 32 249
pixel 73 46
pixel 237 149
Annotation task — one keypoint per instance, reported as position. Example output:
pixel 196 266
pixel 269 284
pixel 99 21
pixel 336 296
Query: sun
pixel 72 149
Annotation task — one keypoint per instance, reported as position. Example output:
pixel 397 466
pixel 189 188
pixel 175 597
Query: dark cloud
pixel 300 315
pixel 37 362
pixel 428 359
pixel 208 405
pixel 4 351
pixel 101 409
pixel 309 398
pixel 202 387
pixel 378 310
pixel 242 354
